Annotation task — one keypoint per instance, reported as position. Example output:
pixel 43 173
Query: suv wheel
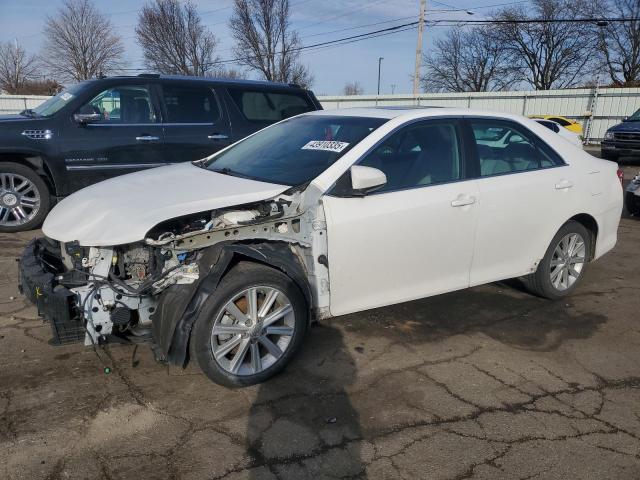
pixel 563 264
pixel 249 329
pixel 24 198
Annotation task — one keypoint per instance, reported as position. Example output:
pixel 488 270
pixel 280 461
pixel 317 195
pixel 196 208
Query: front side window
pixel 423 154
pixel 295 151
pixel 504 147
pixel 266 106
pixel 129 104
pixel 190 104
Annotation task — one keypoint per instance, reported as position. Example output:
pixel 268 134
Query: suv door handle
pixel 463 200
pixel 147 138
pixel 217 136
pixel 563 184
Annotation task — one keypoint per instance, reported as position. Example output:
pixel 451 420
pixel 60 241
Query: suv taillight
pixel 620 176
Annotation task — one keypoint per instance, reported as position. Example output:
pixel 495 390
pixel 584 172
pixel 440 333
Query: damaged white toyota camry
pixel 226 260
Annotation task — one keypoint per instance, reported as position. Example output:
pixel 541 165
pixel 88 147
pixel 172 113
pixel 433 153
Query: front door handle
pixel 218 136
pixel 147 138
pixel 563 184
pixel 463 200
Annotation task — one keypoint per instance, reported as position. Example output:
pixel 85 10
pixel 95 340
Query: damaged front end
pixel 153 289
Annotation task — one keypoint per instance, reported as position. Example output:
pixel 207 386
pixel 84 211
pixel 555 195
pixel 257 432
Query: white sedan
pixel 323 214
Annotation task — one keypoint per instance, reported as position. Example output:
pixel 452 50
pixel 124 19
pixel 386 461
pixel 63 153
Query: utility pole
pixel 379 67
pixel 416 74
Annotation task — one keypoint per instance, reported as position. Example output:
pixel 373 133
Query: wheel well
pixel 588 222
pixel 35 163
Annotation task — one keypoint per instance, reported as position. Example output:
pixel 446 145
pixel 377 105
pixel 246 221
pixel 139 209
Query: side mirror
pixel 366 179
pixel 84 118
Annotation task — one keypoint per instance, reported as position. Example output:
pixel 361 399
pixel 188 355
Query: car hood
pixel 628 126
pixel 122 210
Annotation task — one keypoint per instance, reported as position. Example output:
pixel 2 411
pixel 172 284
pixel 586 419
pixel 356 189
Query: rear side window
pixel 561 121
pixel 505 147
pixel 270 106
pixel 190 104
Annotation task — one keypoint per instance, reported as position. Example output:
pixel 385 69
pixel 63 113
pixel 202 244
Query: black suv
pixel 102 128
pixel 622 139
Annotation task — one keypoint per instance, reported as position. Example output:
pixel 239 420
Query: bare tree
pixel 467 61
pixel 80 43
pixel 548 54
pixel 265 41
pixel 38 87
pixel 174 40
pixel 619 43
pixel 228 73
pixel 16 66
pixel 353 88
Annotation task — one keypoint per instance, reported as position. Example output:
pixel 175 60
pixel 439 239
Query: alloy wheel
pixel 19 200
pixel 567 261
pixel 253 330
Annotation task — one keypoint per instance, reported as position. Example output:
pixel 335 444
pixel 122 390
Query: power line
pixel 409 26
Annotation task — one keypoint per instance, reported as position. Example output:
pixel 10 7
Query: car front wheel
pixel 249 329
pixel 24 198
pixel 563 264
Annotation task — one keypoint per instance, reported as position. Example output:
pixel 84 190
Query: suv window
pixel 504 147
pixel 191 104
pixel 129 104
pixel 422 154
pixel 266 106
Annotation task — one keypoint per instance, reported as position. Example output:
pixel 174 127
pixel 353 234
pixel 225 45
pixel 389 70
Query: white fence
pixel 597 108
pixel 17 103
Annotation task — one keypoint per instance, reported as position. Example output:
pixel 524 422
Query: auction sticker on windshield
pixel 327 145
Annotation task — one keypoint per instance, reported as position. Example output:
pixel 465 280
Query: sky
pixel 315 20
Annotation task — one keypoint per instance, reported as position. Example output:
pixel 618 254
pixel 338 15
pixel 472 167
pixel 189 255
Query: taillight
pixel 620 176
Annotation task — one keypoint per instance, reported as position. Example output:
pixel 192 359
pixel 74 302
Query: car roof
pixel 413 112
pixel 188 78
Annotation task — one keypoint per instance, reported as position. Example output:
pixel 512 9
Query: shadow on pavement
pixel 501 311
pixel 302 423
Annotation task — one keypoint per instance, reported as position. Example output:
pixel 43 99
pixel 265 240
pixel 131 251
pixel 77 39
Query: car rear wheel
pixel 24 198
pixel 563 264
pixel 250 328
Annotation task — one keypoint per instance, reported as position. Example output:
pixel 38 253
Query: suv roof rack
pixel 149 75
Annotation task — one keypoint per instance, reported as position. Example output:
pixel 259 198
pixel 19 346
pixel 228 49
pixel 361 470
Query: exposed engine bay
pixel 117 289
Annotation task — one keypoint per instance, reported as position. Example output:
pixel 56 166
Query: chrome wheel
pixel 19 200
pixel 253 330
pixel 567 261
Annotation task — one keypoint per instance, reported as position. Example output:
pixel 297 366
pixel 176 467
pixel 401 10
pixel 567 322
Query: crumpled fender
pixel 179 305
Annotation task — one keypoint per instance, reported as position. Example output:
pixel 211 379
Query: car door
pixel 194 122
pixel 414 236
pixel 128 136
pixel 526 193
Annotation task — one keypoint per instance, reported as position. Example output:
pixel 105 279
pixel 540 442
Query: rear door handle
pixel 463 200
pixel 563 184
pixel 147 138
pixel 218 136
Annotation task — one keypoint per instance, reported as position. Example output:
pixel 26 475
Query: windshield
pixel 54 104
pixel 295 151
pixel 636 116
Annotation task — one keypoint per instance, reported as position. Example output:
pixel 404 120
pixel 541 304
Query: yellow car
pixel 565 122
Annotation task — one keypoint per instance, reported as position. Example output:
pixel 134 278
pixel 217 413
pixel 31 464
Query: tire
pixel 541 282
pixel 608 155
pixel 24 198
pixel 227 368
pixel 632 203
